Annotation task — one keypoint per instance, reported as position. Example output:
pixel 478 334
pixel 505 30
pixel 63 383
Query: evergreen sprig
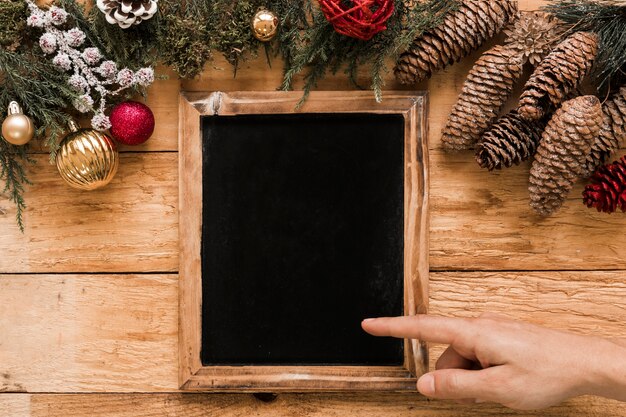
pixel 608 20
pixel 323 50
pixel 13 173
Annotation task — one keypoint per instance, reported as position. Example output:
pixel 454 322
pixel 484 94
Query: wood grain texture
pixel 88 333
pixel 194 376
pixel 479 221
pixel 483 221
pixel 82 333
pixel 129 226
pixel 285 405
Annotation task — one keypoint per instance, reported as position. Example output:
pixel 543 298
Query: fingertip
pixel 426 385
pixel 366 323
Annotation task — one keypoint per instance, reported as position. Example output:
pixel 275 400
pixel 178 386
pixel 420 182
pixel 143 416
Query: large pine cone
pixel 562 152
pixel 558 75
pixel 126 13
pixel 509 141
pixel 613 132
pixel 488 86
pixel 461 32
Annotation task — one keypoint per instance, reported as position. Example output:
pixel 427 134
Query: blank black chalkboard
pixel 302 238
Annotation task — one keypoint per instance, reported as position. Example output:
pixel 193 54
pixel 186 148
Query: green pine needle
pixel 608 20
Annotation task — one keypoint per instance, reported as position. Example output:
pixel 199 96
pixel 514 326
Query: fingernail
pixel 426 385
pixel 372 319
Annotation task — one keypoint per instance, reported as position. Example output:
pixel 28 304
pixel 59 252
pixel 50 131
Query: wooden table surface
pixel 89 293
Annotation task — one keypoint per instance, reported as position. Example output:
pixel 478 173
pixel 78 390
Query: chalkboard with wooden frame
pixel 295 223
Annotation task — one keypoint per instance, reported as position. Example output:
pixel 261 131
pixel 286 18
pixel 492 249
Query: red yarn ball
pixel 132 123
pixel 362 19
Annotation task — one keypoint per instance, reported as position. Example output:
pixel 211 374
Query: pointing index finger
pixel 423 327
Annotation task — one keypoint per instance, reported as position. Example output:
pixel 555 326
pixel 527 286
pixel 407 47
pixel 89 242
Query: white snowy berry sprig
pixel 90 72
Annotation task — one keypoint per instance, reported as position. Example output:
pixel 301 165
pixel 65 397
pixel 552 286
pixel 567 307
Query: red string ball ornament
pixel 360 19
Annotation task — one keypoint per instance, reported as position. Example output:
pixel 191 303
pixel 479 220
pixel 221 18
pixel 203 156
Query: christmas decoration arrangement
pixel 568 134
pixel 63 59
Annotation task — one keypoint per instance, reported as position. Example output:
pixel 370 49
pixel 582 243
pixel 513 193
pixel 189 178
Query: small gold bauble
pixel 17 128
pixel 87 159
pixel 264 25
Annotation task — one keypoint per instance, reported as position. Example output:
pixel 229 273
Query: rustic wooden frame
pixel 192 374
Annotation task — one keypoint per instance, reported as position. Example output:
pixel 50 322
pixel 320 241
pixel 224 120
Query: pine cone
pixel 558 75
pixel 613 132
pixel 562 152
pixel 488 86
pixel 534 35
pixel 607 190
pixel 126 13
pixel 509 141
pixel 461 32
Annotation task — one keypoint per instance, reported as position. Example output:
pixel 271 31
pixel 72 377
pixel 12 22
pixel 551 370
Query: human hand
pixel 519 365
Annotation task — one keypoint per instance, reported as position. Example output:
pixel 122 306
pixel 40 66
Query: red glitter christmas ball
pixel 132 123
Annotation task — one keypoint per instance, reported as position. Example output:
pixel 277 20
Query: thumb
pixel 454 384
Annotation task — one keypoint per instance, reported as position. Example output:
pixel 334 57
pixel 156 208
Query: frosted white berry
pixel 83 103
pixel 144 76
pixel 57 15
pixel 92 55
pixel 107 69
pixel 78 83
pixel 48 43
pixel 74 37
pixel 125 78
pixel 100 121
pixel 63 61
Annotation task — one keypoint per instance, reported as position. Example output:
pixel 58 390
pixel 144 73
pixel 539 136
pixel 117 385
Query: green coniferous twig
pixel 323 50
pixel 608 20
pixel 12 172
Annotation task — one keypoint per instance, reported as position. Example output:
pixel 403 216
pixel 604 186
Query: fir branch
pixel 322 50
pixel 134 47
pixel 13 22
pixel 40 90
pixel 12 172
pixel 608 20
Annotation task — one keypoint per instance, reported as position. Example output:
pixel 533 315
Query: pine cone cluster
pixel 607 190
pixel 558 75
pixel 461 32
pixel 126 13
pixel 533 35
pixel 562 152
pixel 510 140
pixel 486 89
pixel 613 132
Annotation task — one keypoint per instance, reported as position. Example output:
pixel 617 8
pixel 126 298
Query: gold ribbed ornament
pixel 87 159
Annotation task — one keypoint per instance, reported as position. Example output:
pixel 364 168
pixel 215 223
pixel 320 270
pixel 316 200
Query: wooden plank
pixel 581 302
pixel 482 220
pixel 479 221
pixel 130 225
pixel 285 405
pixel 83 333
pixel 15 405
pixel 88 333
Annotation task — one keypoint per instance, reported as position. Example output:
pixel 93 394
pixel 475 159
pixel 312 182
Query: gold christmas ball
pixel 17 128
pixel 264 25
pixel 87 159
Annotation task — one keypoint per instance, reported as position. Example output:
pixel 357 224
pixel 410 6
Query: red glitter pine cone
pixel 362 19
pixel 607 190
